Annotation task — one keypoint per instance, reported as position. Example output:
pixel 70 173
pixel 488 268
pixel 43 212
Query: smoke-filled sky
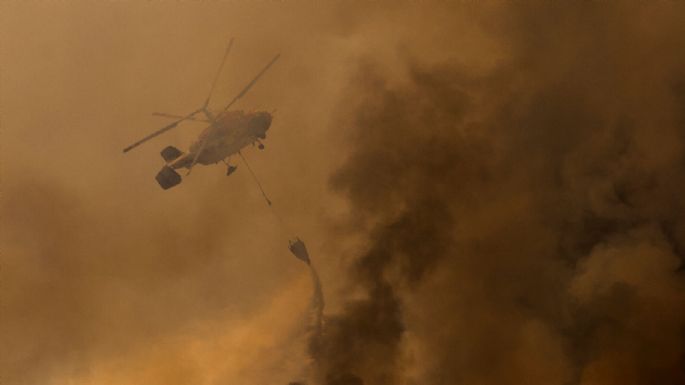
pixel 491 193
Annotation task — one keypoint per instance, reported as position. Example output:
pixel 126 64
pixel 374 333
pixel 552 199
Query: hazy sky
pixel 491 192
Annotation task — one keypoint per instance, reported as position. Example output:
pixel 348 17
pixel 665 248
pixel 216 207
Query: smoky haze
pixel 500 183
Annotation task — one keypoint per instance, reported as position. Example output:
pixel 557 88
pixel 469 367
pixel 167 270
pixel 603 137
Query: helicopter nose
pixel 260 124
pixel 265 127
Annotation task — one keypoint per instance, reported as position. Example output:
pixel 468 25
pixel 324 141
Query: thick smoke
pixel 526 224
pixel 515 170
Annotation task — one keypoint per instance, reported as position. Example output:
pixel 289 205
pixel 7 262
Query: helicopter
pixel 228 132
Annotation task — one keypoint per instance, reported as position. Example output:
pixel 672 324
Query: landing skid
pixel 230 169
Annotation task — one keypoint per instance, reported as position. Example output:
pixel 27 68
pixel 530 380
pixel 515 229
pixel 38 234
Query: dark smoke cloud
pixel 515 169
pixel 526 224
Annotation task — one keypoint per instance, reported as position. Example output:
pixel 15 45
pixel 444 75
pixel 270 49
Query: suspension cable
pixel 254 176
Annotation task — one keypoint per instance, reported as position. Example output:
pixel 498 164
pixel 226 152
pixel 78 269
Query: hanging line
pixel 268 201
pixel 255 178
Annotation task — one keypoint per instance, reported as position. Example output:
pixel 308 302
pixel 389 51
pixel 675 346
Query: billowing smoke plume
pixel 526 224
pixel 515 172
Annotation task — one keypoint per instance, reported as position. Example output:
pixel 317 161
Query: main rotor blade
pixel 165 115
pixel 250 84
pixel 161 131
pixel 218 72
pixel 240 95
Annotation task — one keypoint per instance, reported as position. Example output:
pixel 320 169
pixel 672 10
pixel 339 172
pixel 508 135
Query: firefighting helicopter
pixel 227 133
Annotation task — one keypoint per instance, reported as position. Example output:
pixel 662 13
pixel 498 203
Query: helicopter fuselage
pixel 225 136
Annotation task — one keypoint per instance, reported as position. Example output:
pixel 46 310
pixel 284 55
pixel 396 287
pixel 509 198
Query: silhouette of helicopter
pixel 228 132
